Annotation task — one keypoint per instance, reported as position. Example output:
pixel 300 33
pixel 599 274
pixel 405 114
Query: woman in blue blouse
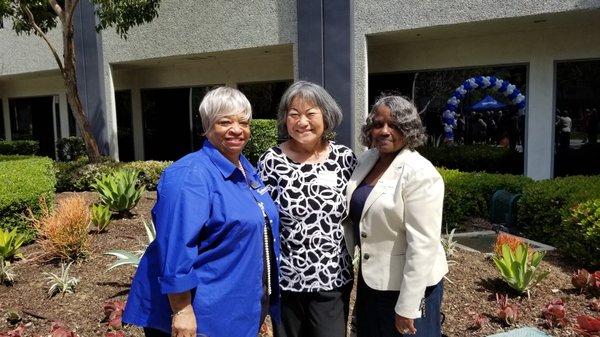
pixel 212 269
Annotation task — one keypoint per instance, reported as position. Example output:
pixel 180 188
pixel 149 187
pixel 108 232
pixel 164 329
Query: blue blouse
pixel 209 239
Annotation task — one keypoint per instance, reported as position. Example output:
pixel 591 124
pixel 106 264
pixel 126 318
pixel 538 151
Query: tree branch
pixel 39 31
pixel 71 12
pixel 58 10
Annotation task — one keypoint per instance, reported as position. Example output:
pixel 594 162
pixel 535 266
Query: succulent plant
pixel 580 279
pixel 509 313
pixel 554 314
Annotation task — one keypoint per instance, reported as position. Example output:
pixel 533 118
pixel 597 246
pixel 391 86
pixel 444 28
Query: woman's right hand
pixel 183 323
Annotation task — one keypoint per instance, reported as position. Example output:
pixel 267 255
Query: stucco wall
pixel 376 17
pixel 182 28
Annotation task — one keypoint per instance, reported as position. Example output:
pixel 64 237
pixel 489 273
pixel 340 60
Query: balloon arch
pixel 510 91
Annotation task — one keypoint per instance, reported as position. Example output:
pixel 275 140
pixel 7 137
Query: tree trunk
pixel 70 78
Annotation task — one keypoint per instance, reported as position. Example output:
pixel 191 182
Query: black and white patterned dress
pixel 312 203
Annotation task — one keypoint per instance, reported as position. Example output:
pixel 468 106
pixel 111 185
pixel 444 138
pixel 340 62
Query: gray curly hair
pixel 405 116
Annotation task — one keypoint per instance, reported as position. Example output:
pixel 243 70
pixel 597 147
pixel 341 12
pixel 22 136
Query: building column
pixel 63 106
pixel 6 117
pixel 90 72
pixel 111 113
pixel 137 124
pixel 539 126
pixel 325 33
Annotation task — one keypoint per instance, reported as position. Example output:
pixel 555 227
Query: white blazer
pixel 400 228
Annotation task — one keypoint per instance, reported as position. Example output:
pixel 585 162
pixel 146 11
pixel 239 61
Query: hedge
pixel 80 175
pixel 581 233
pixel 19 147
pixel 264 137
pixel 22 183
pixel 546 204
pixel 469 194
pixel 13 157
pixel 475 158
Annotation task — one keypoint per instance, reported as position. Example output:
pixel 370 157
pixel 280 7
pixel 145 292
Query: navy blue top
pixel 357 203
pixel 209 239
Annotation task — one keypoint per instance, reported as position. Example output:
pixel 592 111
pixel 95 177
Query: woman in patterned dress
pixel 306 176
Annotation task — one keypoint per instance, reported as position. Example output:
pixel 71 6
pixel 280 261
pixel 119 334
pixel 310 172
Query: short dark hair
pixel 405 116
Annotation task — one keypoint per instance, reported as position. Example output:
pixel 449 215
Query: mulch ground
pixel 473 283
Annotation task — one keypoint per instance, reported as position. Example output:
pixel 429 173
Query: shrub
pixel 70 148
pixel 22 183
pixel 19 147
pixel 119 192
pixel 580 233
pixel 264 137
pixel 475 158
pixel 14 157
pixel 80 175
pixel 150 171
pixel 61 283
pixel 63 233
pixel 469 194
pixel 100 216
pixel 546 203
pixel 10 242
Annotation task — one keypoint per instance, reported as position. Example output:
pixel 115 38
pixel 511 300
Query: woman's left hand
pixel 405 325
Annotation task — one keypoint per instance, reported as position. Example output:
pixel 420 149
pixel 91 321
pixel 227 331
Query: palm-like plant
pixel 119 191
pixel 100 215
pixel 61 283
pixel 519 268
pixel 127 258
pixel 10 242
pixel 7 273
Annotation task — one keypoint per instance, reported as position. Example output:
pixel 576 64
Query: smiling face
pixel 384 134
pixel 229 134
pixel 304 121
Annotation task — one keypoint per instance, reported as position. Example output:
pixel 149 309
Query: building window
pixel 264 97
pixel 30 118
pixel 577 118
pixel 167 126
pixel 481 130
pixel 124 125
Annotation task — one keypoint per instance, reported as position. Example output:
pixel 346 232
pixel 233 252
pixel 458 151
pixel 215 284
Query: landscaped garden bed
pixel 478 301
pixel 470 290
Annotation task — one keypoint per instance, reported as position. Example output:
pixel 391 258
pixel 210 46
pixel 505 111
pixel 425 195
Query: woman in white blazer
pixel 396 198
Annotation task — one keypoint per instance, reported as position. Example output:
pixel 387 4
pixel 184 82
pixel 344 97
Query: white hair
pixel 222 102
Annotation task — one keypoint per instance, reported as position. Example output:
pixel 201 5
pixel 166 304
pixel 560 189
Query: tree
pixel 41 16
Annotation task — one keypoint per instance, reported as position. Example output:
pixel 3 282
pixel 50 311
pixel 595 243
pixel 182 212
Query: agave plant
pixel 7 273
pixel 10 242
pixel 519 268
pixel 449 243
pixel 127 258
pixel 100 215
pixel 118 190
pixel 61 283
